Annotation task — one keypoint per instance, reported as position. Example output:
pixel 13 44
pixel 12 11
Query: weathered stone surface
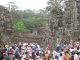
pixel 72 19
pixel 5 24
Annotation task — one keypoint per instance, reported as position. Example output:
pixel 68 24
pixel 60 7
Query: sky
pixel 27 4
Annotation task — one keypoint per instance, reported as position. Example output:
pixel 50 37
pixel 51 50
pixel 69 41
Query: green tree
pixel 19 26
pixel 35 22
pixel 32 19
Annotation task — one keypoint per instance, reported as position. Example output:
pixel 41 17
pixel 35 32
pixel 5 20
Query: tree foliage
pixel 34 21
pixel 29 19
pixel 19 26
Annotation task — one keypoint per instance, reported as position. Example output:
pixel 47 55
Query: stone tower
pixel 5 25
pixel 78 15
pixel 72 19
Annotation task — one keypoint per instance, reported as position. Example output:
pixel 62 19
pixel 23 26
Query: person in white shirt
pixel 76 57
pixel 60 58
pixel 54 53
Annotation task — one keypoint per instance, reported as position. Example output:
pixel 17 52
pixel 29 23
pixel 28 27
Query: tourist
pixel 1 54
pixel 56 57
pixel 17 53
pixel 72 55
pixel 76 56
pixel 68 55
pixel 61 57
pixel 47 55
pixel 54 53
pixel 64 56
pixel 7 55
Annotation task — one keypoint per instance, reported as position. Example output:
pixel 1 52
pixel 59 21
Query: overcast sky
pixel 27 4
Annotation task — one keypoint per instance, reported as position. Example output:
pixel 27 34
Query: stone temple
pixel 72 19
pixel 5 25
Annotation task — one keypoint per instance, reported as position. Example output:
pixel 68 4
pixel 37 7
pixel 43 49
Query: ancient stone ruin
pixel 5 25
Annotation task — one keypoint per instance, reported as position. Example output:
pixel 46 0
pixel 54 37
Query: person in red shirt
pixel 64 57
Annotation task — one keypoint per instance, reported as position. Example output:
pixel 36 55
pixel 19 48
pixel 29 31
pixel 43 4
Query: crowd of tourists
pixel 23 51
pixel 33 51
pixel 66 51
